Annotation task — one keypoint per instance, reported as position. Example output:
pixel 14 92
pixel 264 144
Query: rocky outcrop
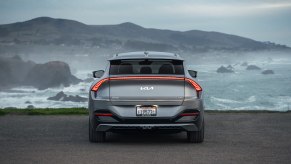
pixel 76 98
pixel 268 72
pixel 244 64
pixel 253 67
pixel 51 74
pixel 30 107
pixel 223 69
pixel 27 102
pixel 230 67
pixel 13 70
pixel 61 96
pixel 58 97
pixel 16 72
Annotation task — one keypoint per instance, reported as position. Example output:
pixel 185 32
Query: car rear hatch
pixel 147 90
pixel 147 82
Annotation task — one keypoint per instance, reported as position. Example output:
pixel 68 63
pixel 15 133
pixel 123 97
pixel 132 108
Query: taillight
pixel 195 85
pixel 104 114
pixel 98 84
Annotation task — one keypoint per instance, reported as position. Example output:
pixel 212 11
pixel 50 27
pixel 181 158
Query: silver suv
pixel 146 91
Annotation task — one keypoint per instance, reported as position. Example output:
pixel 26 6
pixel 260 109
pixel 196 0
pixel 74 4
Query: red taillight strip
pixel 97 85
pixel 195 85
pixel 190 114
pixel 104 114
pixel 192 82
pixel 147 78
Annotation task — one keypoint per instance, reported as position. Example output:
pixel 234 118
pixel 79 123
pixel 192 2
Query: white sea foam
pixel 230 101
pixel 221 100
pixel 21 97
pixel 251 99
pixel 78 88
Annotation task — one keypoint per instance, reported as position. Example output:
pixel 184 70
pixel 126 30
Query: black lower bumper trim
pixel 182 127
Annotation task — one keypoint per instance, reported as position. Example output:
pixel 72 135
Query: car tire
pixel 95 136
pixel 196 136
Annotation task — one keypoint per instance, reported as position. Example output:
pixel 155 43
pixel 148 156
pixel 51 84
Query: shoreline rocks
pixel 15 72
pixel 244 64
pixel 50 74
pixel 253 67
pixel 268 72
pixel 61 96
pixel 30 107
pixel 222 69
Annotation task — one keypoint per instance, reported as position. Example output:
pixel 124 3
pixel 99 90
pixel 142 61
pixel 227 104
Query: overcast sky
pixel 263 20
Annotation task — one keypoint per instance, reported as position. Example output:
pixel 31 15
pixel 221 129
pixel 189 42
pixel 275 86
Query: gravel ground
pixel 229 138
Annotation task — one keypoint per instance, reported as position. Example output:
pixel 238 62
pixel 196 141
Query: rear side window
pixel 146 66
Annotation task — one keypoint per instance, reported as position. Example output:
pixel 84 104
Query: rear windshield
pixel 146 66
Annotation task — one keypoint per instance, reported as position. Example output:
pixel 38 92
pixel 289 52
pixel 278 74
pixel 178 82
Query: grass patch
pixel 2 113
pixel 47 111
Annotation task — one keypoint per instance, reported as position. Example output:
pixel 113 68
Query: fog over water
pixel 241 90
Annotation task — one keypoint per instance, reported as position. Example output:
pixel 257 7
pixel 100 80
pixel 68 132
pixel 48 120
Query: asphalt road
pixel 229 138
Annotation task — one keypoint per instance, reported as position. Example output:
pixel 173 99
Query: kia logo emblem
pixel 146 88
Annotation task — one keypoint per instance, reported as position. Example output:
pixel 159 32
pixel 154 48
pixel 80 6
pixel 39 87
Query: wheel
pixel 196 136
pixel 95 136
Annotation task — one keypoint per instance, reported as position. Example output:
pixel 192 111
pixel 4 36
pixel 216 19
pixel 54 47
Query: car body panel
pixel 120 98
pixel 135 92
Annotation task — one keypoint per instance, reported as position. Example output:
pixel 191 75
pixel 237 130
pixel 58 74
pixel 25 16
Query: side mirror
pixel 98 74
pixel 193 73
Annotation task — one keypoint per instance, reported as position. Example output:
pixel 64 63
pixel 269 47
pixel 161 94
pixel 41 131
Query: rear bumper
pixel 165 109
pixel 180 127
pixel 168 116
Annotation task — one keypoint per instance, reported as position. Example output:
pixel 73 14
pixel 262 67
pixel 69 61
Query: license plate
pixel 145 111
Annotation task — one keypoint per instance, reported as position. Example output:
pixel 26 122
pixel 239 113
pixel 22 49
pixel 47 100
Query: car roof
pixel 146 55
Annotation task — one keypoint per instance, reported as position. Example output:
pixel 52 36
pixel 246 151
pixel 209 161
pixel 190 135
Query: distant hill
pixel 44 31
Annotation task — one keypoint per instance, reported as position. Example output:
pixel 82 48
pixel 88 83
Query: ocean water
pixel 247 90
pixel 242 90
